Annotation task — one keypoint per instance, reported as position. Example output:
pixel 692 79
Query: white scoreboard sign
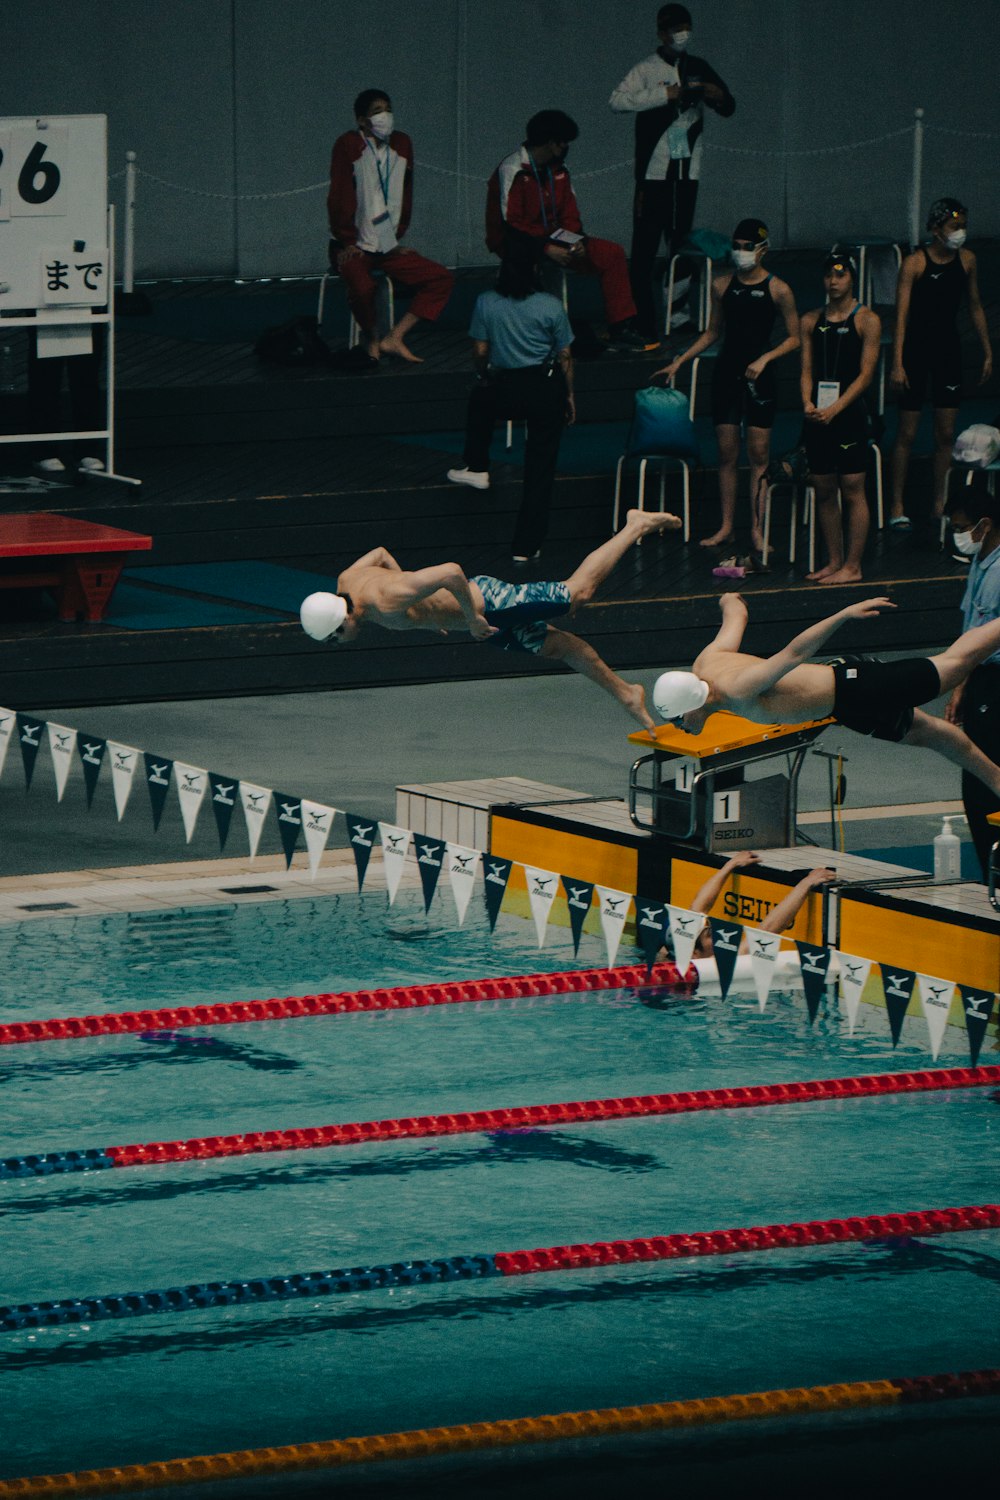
pixel 53 212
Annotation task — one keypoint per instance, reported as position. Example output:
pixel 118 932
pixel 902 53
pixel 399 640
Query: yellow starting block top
pixel 993 818
pixel 726 732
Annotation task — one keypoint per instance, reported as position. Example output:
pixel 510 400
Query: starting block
pixel 993 872
pixel 694 788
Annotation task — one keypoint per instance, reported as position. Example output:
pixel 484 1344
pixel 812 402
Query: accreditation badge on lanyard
pixel 385 234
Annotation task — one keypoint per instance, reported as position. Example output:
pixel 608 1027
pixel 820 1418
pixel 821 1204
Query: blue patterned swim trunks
pixel 521 610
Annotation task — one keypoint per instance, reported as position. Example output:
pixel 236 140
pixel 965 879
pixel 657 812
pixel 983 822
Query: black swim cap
pixel 841 259
pixel 943 209
pixel 754 230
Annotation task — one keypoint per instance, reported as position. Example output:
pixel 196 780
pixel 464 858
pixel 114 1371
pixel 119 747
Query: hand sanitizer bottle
pixel 947 852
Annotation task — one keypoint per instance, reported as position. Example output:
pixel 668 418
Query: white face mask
pixel 956 239
pixel 382 124
pixel 964 543
pixel 744 260
pixel 679 41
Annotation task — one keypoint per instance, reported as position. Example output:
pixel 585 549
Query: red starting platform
pixel 80 561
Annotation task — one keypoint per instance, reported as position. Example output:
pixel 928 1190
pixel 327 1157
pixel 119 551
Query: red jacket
pixel 518 199
pixel 342 199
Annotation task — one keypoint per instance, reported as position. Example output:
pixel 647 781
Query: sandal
pixel 900 523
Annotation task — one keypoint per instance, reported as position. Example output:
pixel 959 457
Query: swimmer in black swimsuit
pixel 744 305
pixel 927 354
pixel 840 348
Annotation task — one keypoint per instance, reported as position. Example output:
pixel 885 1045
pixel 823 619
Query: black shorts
pixel 878 697
pixel 732 402
pixel 841 447
pixel 935 368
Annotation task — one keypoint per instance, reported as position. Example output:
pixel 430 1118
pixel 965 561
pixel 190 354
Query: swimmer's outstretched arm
pixel 397 593
pixel 759 676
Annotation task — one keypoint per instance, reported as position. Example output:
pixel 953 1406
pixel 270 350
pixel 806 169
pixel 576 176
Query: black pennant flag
pixel 91 752
pixel 496 873
pixel 158 773
pixel 978 1008
pixel 579 895
pixel 898 987
pixel 288 811
pixel 726 939
pixel 361 832
pixel 650 928
pixel 29 732
pixel 814 960
pixel 224 791
pixel 430 857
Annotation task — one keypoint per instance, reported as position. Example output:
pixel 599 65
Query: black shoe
pixel 522 562
pixel 627 339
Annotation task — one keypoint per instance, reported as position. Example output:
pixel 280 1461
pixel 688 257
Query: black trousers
pixel 538 396
pixel 981 722
pixel 662 211
pixel 83 376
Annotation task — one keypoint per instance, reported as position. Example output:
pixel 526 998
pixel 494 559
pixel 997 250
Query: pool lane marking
pixel 469 1437
pixel 519 1117
pixel 404 997
pixel 312 1284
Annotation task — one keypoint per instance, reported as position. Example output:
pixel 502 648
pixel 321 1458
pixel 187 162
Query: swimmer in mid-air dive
pixel 871 696
pixel 513 616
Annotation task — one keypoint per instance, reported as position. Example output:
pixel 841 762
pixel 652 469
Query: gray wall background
pixel 227 99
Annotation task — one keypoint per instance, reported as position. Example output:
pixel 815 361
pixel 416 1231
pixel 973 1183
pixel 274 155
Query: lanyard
pixel 383 182
pixel 541 193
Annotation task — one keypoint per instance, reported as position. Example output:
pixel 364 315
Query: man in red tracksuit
pixel 369 204
pixel 530 200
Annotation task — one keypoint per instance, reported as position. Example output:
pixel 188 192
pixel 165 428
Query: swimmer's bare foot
pixel 822 574
pixel 842 575
pixel 757 542
pixel 643 522
pixel 634 703
pixel 716 539
pixel 393 344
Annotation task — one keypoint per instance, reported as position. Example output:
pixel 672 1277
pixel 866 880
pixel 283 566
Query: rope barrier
pixel 406 997
pixel 519 1117
pixel 468 1437
pixel 477 1267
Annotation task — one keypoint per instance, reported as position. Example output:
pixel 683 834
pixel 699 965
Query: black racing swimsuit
pixel 840 446
pixel 748 314
pixel 932 351
pixel 878 697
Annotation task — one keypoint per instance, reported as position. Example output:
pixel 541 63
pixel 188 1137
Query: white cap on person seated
pixel 322 615
pixel 678 693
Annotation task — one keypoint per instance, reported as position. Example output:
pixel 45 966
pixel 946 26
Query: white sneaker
pixel 50 466
pixel 91 465
pixel 533 558
pixel 477 479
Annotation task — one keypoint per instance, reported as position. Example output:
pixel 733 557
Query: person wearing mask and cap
pixel 975 703
pixel 840 350
pixel 369 204
pixel 745 302
pixel 927 352
pixel 667 92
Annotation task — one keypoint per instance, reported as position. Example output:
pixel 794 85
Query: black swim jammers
pixel 878 697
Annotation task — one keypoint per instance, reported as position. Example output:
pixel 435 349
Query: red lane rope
pixel 572 1113
pixel 406 997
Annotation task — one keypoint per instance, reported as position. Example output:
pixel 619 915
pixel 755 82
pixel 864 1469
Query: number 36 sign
pixel 53 193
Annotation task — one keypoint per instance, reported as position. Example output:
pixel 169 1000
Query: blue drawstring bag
pixel 662 425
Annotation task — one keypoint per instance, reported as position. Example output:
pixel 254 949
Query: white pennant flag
pixel 62 743
pixel 614 910
pixel 543 886
pixel 854 972
pixel 395 847
pixel 685 925
pixel 462 867
pixel 936 996
pixel 7 722
pixel 256 800
pixel 764 949
pixel 124 759
pixel 192 784
pixel 317 824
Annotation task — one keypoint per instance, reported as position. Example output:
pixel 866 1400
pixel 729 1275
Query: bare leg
pixel 598 564
pixel 975 646
pixel 909 421
pixel 729 456
pixel 856 522
pixel 560 645
pixel 393 341
pixel 828 514
pixel 944 441
pixel 758 452
pixel 954 744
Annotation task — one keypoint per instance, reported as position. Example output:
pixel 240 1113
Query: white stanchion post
pixel 128 237
pixel 916 177
pixel 109 365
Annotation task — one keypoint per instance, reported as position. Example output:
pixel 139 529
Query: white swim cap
pixel 322 615
pixel 678 693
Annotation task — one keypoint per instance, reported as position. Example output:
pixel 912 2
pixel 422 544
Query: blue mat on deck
pixel 265 584
pixel 136 608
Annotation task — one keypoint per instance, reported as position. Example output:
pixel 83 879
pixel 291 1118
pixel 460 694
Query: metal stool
pixel 384 294
pixel 704 289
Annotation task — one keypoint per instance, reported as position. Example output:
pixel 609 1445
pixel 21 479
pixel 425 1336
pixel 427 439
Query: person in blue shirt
pixel 975 703
pixel 521 350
